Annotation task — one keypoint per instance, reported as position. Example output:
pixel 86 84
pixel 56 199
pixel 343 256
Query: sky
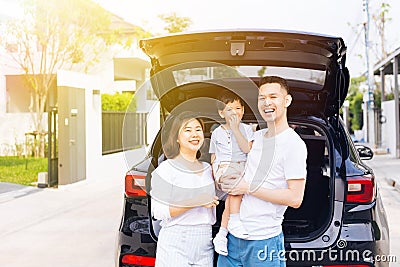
pixel 343 18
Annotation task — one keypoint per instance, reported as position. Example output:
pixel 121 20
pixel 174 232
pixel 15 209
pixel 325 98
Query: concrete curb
pixel 7 196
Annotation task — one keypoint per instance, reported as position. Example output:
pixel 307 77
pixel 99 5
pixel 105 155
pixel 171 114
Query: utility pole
pixel 396 105
pixel 369 127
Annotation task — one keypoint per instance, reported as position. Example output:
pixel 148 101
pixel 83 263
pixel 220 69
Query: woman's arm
pixel 176 211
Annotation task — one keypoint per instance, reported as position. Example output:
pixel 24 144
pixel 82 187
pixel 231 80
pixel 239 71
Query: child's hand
pixel 212 204
pixel 234 122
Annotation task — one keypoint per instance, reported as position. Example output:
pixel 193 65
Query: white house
pixel 123 70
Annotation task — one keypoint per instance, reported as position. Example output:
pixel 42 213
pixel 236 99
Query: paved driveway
pixel 76 225
pixel 72 226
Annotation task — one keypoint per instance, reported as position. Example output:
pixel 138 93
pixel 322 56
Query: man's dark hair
pixel 274 79
pixel 226 97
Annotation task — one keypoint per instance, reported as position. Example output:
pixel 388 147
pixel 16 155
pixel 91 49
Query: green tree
pixel 58 34
pixel 356 112
pixel 381 18
pixel 175 23
pixel 118 102
pixel 378 96
pixel 261 71
pixel 355 98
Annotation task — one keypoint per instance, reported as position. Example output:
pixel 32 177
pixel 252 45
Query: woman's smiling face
pixel 191 137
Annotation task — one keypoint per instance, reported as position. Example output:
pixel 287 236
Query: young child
pixel 230 143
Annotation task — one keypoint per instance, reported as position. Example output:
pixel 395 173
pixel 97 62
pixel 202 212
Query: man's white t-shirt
pixel 270 163
pixel 225 146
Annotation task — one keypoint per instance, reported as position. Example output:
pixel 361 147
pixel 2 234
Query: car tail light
pixel 138 260
pixel 135 184
pixel 360 189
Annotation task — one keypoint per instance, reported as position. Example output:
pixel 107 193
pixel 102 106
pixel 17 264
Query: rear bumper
pixel 137 244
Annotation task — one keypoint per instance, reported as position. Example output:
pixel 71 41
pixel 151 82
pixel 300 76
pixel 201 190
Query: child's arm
pixel 212 158
pixel 243 143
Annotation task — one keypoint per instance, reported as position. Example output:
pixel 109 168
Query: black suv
pixel 341 221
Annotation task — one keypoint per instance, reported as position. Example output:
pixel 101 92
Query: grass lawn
pixel 13 169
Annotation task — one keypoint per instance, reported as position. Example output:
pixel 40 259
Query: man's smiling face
pixel 272 102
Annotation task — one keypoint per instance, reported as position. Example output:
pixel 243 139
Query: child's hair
pixel 226 97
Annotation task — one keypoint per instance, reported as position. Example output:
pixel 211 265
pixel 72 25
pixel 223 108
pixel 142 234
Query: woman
pixel 183 197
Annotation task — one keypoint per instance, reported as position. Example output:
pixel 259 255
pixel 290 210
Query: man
pixel 274 179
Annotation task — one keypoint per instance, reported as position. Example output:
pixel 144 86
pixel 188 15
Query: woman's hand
pixel 212 204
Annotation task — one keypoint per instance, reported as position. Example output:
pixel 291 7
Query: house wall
pixel 13 127
pixel 18 94
pixel 388 128
pixel 15 118
pixel 97 166
pixel 3 94
pixel 91 84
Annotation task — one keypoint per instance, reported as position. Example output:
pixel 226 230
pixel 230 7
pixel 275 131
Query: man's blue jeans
pixel 249 253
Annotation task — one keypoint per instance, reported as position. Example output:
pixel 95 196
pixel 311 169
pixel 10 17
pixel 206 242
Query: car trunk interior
pixel 313 215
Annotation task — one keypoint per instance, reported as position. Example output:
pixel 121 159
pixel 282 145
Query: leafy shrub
pixel 118 102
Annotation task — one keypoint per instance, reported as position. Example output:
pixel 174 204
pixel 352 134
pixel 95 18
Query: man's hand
pixel 233 186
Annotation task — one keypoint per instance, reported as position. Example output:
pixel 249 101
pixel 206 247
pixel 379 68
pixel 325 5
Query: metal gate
pixel 53 146
pixel 378 120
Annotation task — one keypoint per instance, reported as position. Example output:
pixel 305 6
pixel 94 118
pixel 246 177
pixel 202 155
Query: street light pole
pixel 369 127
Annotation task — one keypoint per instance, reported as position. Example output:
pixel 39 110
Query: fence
pixel 123 130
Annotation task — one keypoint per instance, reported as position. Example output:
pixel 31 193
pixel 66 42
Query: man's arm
pixel 291 196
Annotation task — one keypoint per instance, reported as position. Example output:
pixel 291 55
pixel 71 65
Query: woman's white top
pixel 172 185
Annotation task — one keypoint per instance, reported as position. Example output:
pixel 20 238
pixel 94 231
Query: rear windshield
pixel 204 73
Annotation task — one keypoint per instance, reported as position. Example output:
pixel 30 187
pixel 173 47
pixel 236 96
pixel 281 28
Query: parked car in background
pixel 341 221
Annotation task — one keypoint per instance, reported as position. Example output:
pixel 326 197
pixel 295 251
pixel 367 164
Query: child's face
pixel 232 109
